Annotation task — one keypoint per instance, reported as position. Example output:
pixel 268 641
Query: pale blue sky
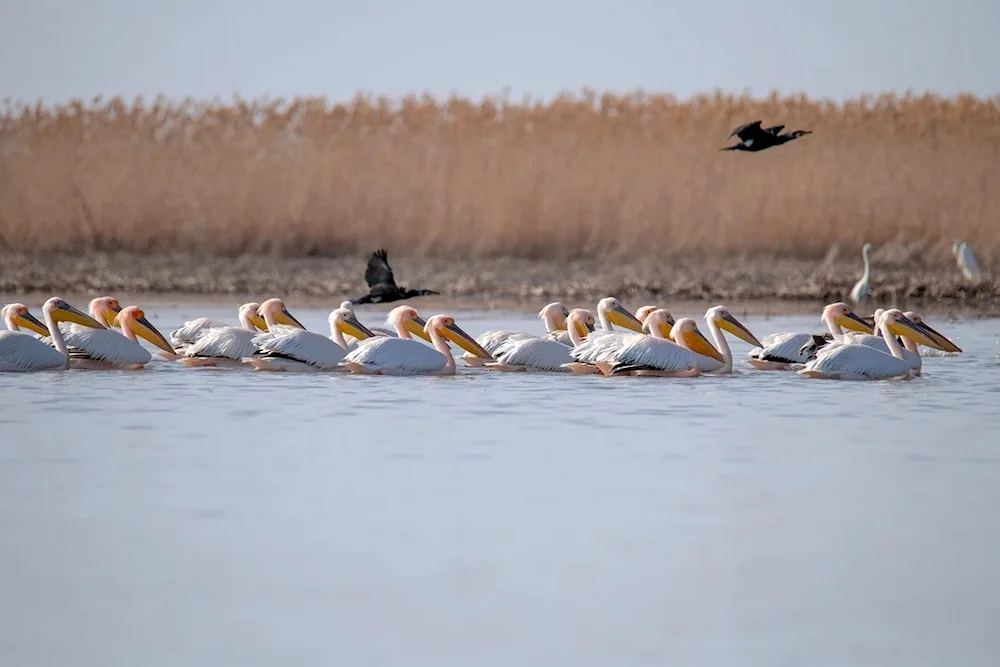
pixel 59 49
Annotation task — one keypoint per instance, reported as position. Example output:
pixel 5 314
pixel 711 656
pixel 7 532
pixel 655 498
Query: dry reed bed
pixel 581 176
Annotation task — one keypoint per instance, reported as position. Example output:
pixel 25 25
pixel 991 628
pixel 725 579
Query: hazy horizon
pixel 56 51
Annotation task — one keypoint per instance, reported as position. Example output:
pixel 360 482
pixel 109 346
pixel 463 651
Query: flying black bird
pixel 382 286
pixel 755 138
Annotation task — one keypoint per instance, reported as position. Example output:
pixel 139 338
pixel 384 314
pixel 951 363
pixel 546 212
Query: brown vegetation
pixel 577 177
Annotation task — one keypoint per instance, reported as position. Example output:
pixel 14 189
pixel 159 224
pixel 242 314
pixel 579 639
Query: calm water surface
pixel 177 516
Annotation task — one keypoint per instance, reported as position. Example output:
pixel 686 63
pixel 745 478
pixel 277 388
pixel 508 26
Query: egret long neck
pixel 890 340
pixel 721 344
pixel 57 337
pixel 868 266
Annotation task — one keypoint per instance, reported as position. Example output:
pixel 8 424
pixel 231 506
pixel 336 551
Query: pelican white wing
pixel 600 345
pixel 297 345
pixel 25 352
pixel 540 354
pixel 783 348
pixel 105 345
pixel 395 355
pixel 228 342
pixel 847 361
pixel 192 330
pixel 648 352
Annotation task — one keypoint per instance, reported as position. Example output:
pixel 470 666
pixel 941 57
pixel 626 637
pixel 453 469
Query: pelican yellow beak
pixel 352 327
pixel 698 343
pixel 285 317
pixel 257 321
pixel 734 326
pixel 943 343
pixel 416 327
pixel 904 326
pixel 28 321
pixel 68 313
pixel 111 315
pixel 584 328
pixel 140 326
pixel 455 334
pixel 664 327
pixel 561 325
pixel 854 323
pixel 618 315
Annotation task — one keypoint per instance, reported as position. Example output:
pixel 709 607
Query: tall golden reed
pixel 579 176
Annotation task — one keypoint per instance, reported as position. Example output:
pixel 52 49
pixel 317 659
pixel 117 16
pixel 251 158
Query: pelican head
pixel 554 315
pixel 943 344
pixel 445 326
pixel 58 310
pixel 723 319
pixel 899 324
pixel 248 312
pixel 658 322
pixel 406 318
pixel 343 320
pixel 685 332
pixel 104 309
pixel 845 318
pixel 613 310
pixel 276 308
pixel 346 304
pixel 582 320
pixel 18 315
pixel 135 319
pixel 644 312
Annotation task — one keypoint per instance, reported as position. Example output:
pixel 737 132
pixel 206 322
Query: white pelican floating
pixel 552 315
pixel 108 349
pixel 189 332
pixel 229 346
pixel 718 318
pixel 967 262
pixel 603 342
pixel 543 353
pixel 783 351
pixel 23 352
pixel 291 349
pixel 861 289
pixel 658 355
pixel 383 355
pixel 104 309
pixel 847 361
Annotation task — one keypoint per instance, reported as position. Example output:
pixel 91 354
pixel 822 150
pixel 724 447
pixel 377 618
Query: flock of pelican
pixel 649 342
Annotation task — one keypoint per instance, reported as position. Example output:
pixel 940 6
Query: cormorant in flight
pixel 382 286
pixel 754 138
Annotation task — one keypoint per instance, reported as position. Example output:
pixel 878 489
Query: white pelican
pixel 543 353
pixel 291 349
pixel 602 343
pixel 105 348
pixel 911 350
pixel 383 355
pixel 859 293
pixel 718 318
pixel 23 352
pixel 552 315
pixel 967 262
pixel 376 331
pixel 192 330
pixel 847 361
pixel 657 354
pixel 783 351
pixel 229 346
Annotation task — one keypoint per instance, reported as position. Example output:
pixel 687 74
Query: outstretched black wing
pixel 774 130
pixel 748 131
pixel 378 272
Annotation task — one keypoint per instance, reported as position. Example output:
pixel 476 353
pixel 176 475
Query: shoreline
pixel 760 286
